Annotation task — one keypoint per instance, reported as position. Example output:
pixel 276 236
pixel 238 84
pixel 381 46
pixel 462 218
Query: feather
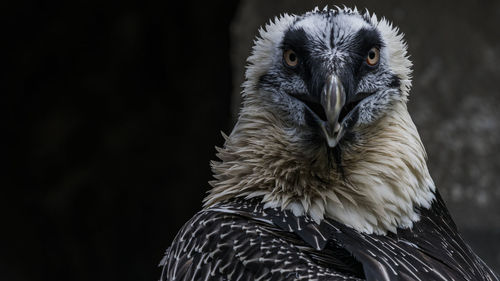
pixel 242 238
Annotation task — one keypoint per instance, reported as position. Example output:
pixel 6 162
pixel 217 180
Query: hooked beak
pixel 332 100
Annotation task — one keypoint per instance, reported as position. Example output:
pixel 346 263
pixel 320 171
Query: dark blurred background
pixel 111 111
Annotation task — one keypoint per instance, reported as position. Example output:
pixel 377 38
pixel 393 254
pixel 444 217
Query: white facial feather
pixel 265 156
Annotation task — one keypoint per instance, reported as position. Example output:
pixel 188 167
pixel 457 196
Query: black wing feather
pixel 229 246
pixel 240 240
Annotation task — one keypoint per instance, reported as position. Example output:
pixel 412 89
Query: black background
pixel 111 114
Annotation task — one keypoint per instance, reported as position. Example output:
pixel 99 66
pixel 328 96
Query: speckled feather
pixel 240 240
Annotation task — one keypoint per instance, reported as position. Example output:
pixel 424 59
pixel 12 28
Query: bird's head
pixel 328 73
pixel 330 84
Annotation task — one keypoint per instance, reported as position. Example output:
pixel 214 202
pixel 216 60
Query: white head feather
pixel 386 176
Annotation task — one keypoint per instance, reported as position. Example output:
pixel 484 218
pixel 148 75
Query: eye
pixel 373 56
pixel 291 58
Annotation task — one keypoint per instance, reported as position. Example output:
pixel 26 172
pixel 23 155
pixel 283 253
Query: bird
pixel 324 175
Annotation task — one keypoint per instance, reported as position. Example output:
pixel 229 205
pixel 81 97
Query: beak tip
pixel 333 136
pixel 332 142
